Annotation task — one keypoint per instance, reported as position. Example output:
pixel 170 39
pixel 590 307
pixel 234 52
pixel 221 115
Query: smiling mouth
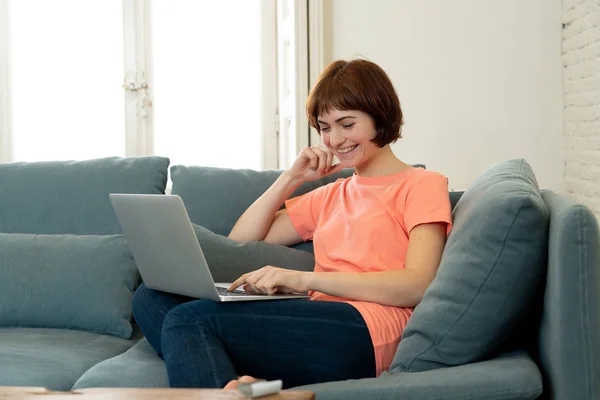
pixel 346 150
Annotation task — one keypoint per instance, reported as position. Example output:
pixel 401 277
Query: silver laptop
pixel 166 249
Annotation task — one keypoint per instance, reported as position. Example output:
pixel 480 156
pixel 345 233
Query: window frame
pixel 6 148
pixel 137 78
pixel 316 52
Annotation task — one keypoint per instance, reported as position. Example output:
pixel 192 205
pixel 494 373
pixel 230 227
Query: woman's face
pixel 348 134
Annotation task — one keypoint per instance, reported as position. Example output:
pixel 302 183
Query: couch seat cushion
pixel 137 367
pixel 511 376
pixel 52 358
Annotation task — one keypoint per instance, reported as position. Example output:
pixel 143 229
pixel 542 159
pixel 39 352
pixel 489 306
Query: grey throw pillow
pixel 491 270
pixel 228 259
pixel 67 281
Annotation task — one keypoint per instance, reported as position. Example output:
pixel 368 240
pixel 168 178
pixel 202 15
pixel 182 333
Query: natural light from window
pixel 207 102
pixel 66 66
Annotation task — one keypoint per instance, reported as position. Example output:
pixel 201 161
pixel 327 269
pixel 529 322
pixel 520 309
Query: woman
pixel 378 238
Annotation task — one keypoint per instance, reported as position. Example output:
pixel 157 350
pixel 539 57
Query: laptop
pixel 166 250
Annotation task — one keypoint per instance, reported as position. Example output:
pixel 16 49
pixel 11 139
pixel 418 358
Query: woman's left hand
pixel 270 280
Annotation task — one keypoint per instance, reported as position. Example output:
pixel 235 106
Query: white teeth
pixel 346 149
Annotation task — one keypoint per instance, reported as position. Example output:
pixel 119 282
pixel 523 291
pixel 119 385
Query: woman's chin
pixel 348 162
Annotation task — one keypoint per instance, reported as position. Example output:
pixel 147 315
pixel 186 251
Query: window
pixel 186 79
pixel 207 82
pixel 65 72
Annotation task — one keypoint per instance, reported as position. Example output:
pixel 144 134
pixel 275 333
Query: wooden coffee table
pixel 37 393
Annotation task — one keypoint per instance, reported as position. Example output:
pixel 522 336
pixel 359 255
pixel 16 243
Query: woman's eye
pixel 325 129
pixel 348 126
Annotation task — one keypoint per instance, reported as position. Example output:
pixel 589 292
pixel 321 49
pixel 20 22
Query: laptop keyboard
pixel 223 292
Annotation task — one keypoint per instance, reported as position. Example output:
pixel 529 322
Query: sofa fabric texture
pixel 216 197
pixel 83 282
pixel 53 358
pixel 568 345
pixel 491 270
pixel 509 376
pixel 228 259
pixel 137 367
pixel 56 197
pixel 512 375
pixel 42 203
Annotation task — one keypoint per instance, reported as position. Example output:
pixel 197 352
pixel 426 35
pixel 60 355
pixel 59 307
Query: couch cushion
pixel 52 358
pixel 569 337
pixel 138 367
pixel 72 196
pixel 67 281
pixel 216 197
pixel 491 270
pixel 228 259
pixel 507 377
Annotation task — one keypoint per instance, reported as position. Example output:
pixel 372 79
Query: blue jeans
pixel 206 344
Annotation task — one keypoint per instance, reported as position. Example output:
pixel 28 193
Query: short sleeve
pixel 428 202
pixel 304 211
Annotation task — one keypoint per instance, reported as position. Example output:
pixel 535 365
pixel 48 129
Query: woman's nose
pixel 336 138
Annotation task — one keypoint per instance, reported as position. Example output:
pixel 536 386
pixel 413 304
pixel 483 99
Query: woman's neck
pixel 384 163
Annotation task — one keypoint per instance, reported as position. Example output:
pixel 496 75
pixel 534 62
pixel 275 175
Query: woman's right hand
pixel 313 163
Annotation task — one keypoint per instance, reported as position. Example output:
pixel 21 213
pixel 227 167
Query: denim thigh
pixel 150 307
pixel 206 344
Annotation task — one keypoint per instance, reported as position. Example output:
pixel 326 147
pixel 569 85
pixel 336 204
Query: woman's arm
pixel 262 221
pixel 400 288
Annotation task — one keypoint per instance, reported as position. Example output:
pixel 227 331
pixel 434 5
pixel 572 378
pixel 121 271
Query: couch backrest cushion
pixel 491 269
pixel 79 282
pixel 569 336
pixel 60 197
pixel 216 197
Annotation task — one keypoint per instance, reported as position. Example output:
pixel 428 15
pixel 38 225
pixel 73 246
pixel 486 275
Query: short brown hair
pixel 358 85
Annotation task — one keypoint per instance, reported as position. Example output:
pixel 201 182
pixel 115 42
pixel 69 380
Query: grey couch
pixel 51 335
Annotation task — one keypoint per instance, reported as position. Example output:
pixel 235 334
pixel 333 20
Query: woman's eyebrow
pixel 337 120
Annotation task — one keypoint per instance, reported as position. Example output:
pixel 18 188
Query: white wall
pixel 581 58
pixel 480 81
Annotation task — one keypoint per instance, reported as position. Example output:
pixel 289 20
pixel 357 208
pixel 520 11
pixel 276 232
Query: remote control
pixel 260 388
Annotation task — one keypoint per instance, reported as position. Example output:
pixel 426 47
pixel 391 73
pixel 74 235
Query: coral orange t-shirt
pixel 362 224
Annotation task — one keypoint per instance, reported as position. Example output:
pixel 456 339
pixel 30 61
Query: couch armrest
pixel 569 335
pixel 510 376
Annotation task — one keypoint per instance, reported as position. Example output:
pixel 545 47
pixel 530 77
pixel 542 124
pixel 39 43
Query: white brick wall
pixel 581 79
